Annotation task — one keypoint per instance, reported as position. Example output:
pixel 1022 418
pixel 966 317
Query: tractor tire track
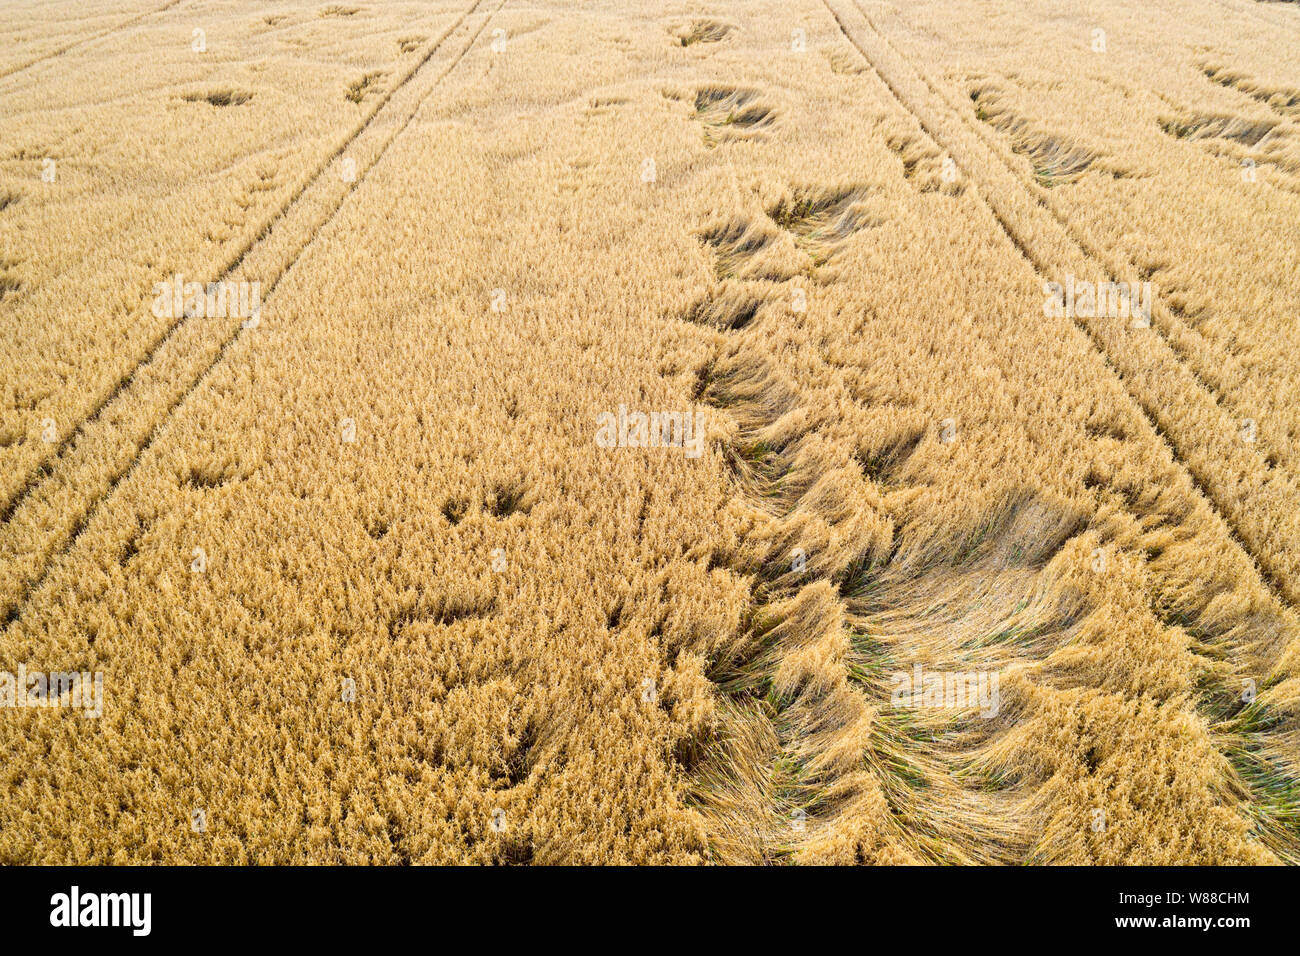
pixel 1182 340
pixel 1250 743
pixel 255 241
pixel 1248 8
pixel 104 450
pixel 1202 438
pixel 84 40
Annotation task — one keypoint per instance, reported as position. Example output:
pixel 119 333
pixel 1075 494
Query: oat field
pixel 517 431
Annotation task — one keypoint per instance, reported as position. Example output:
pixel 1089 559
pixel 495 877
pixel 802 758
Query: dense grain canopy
pixel 531 432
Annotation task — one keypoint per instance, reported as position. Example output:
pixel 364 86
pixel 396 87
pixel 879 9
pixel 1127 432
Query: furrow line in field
pixel 1196 435
pixel 1165 322
pixel 1250 9
pixel 256 241
pixel 1203 439
pixel 84 40
pixel 55 507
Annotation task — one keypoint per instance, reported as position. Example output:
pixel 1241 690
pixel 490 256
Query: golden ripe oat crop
pixel 483 431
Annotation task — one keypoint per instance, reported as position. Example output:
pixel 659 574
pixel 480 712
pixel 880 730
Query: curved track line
pixel 179 346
